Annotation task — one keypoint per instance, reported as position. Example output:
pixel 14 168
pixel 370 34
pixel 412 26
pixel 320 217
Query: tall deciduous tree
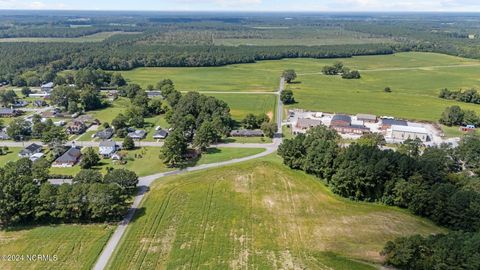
pixel 174 149
pixel 89 159
pixel 289 75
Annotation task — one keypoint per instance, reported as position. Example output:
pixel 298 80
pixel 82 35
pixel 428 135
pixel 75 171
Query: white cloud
pixel 250 5
pixel 18 4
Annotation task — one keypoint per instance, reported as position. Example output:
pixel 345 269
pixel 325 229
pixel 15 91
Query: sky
pixel 248 5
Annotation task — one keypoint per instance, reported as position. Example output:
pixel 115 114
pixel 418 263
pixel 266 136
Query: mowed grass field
pixel 415 79
pixel 76 246
pixel 258 215
pixel 241 77
pixel 243 104
pixel 98 37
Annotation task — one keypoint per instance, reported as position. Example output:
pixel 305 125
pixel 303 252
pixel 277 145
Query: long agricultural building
pixel 408 132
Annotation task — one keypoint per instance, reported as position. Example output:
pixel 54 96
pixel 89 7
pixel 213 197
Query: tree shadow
pixel 139 212
pixel 295 82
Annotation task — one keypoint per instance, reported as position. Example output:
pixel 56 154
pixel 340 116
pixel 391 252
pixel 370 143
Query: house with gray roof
pixel 8 112
pixel 69 158
pixel 137 134
pixel 30 150
pixel 4 136
pixel 104 134
pixel 160 134
pixel 47 87
pixel 246 133
pixel 107 148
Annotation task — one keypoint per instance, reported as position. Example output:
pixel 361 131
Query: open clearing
pixel 243 104
pixel 258 215
pixel 98 37
pixel 76 246
pixel 415 78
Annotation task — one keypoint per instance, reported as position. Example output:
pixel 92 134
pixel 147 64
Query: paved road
pixel 139 144
pixel 145 182
pixel 235 92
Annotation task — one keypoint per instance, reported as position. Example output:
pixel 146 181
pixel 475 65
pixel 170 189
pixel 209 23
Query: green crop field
pixel 98 37
pixel 258 215
pixel 415 78
pixel 242 77
pixel 243 104
pixel 76 246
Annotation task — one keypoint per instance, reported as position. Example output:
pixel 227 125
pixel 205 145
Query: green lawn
pixel 247 140
pixel 98 37
pixel 12 155
pixel 453 131
pixel 243 104
pixel 415 78
pixel 258 215
pixel 145 161
pixel 108 114
pixel 76 246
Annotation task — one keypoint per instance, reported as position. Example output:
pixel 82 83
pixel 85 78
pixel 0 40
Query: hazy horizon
pixel 449 6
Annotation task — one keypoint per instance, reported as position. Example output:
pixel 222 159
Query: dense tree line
pixel 467 96
pixel 195 118
pixel 421 183
pixel 18 57
pixel 454 250
pixel 58 32
pixel 456 116
pixel 27 198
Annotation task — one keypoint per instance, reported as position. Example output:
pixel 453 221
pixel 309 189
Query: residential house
pixel 30 150
pixel 367 118
pixel 76 127
pixel 152 94
pixel 137 134
pixel 36 156
pixel 408 132
pixel 20 104
pixel 388 123
pixel 107 148
pixel 8 112
pixel 246 133
pixel 69 158
pixel 47 88
pixel 160 134
pixel 39 103
pixel 104 134
pixel 4 136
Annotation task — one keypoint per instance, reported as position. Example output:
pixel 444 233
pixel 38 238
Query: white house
pixel 30 150
pixel 107 148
